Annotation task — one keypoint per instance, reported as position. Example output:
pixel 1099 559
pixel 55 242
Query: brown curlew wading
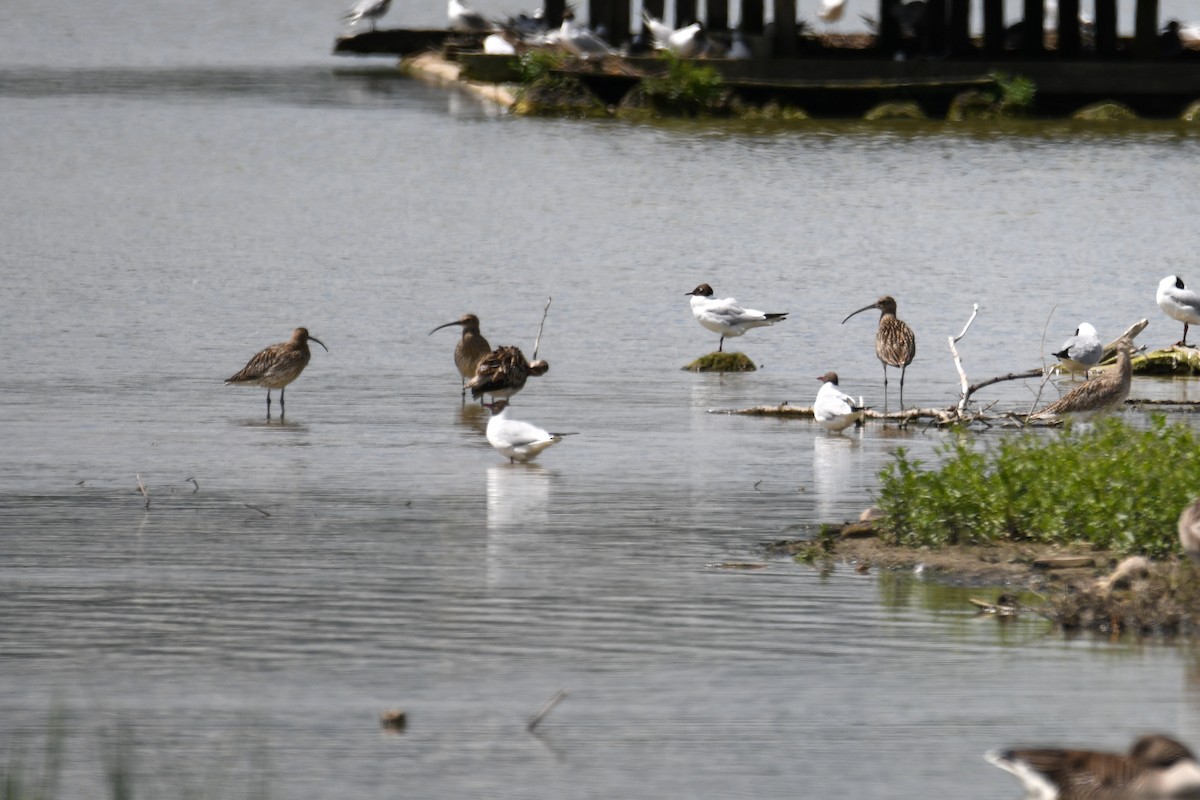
pixel 895 344
pixel 1104 393
pixel 278 365
pixel 503 372
pixel 470 350
pixel 1156 766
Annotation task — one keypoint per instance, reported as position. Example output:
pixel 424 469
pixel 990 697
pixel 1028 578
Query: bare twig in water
pixel 538 341
pixel 547 706
pixel 142 489
pixel 962 375
pixel 193 480
pixel 256 508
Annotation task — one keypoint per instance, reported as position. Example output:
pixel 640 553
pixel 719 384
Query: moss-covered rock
pixel 558 95
pixel 1105 111
pixel 902 109
pixel 1174 360
pixel 972 104
pixel 771 111
pixel 722 362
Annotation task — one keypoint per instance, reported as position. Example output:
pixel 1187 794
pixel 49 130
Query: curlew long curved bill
pixel 864 308
pixel 447 325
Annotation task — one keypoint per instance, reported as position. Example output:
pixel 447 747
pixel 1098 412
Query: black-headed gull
pixel 367 9
pixel 276 366
pixel 519 441
pixel 1082 351
pixel 1179 302
pixel 895 344
pixel 685 42
pixel 833 409
pixel 725 316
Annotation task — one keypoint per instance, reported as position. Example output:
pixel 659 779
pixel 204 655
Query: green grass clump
pixel 685 88
pixel 1112 486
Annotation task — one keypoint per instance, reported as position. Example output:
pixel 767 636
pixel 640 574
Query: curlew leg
pixel 281 411
pixel 885 405
pixel 902 386
pixel 268 403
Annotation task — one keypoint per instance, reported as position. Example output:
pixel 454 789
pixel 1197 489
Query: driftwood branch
pixel 538 341
pixel 962 375
pixel 1110 349
pixel 547 706
pixel 957 414
pixel 142 489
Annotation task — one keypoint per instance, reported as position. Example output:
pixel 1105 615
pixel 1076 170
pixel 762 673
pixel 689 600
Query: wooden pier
pixel 923 48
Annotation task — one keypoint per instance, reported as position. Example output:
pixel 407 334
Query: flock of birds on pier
pixel 521 32
pixel 501 372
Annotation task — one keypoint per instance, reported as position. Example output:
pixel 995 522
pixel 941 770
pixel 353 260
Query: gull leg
pixel 721 344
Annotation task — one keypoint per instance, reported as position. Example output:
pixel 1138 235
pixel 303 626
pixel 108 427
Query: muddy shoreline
pixel 1079 588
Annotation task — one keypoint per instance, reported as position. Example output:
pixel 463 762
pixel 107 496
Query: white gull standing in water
pixel 725 316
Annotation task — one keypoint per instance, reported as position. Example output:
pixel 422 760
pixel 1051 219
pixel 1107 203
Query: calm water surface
pixel 167 215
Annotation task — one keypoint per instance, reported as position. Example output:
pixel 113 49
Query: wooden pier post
pixel 716 14
pixel 1106 28
pixel 685 12
pixel 1145 31
pixel 1033 38
pixel 960 27
pixel 935 28
pixel 889 27
pixel 1068 29
pixel 752 17
pixel 993 27
pixel 785 44
pixel 554 12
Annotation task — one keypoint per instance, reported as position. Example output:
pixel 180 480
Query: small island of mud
pixel 1081 589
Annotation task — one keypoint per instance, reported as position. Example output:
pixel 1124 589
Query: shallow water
pixel 291 580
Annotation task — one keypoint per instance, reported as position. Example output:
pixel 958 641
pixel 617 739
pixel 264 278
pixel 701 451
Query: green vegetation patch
pixel 1111 486
pixel 685 88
